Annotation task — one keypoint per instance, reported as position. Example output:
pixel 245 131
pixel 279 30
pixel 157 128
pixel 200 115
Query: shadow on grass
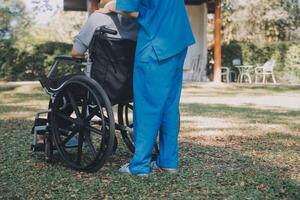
pixel 7 92
pixel 7 109
pixel 276 142
pixel 224 173
pixel 23 97
pixel 207 172
pixel 5 88
pixel 245 90
pixel 252 115
pixel 280 149
pixel 274 88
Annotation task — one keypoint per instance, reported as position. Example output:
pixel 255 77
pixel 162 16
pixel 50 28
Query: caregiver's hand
pixel 108 8
pixel 111 6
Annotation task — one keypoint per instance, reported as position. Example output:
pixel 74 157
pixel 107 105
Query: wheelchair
pixel 79 122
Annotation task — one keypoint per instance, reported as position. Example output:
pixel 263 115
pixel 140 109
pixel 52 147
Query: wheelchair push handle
pixel 108 31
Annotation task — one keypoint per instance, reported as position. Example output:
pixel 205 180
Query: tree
pixel 260 21
pixel 62 27
pixel 13 19
pixel 42 5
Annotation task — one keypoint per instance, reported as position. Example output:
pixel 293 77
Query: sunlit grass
pixel 252 115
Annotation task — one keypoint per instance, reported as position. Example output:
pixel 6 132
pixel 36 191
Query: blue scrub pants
pixel 157 90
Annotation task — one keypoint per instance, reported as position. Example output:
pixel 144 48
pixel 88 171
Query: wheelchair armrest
pixel 45 82
pixel 104 30
pixel 70 59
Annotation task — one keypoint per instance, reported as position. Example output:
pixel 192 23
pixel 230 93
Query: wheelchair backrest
pixel 112 67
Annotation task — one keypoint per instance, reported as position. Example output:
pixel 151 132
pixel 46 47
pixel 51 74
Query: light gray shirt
pixel 127 28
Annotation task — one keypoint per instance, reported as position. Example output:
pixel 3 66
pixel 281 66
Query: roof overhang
pixel 82 5
pixel 75 5
pixel 195 2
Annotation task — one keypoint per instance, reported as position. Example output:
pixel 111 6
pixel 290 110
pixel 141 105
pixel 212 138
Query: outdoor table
pixel 244 71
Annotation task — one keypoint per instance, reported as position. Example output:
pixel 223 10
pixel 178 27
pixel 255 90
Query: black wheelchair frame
pixel 81 112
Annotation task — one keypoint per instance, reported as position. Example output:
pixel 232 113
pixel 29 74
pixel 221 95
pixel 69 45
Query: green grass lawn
pixel 227 151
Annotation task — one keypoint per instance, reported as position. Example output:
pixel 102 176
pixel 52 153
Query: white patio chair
pixel 244 73
pixel 226 74
pixel 265 70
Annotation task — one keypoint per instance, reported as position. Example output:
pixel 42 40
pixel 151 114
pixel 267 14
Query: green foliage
pixel 266 21
pixel 230 52
pixel 18 64
pixel 292 63
pixel 286 54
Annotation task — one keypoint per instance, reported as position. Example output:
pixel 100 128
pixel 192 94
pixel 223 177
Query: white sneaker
pixel 155 167
pixel 126 171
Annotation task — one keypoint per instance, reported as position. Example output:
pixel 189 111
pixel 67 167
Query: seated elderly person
pixel 126 27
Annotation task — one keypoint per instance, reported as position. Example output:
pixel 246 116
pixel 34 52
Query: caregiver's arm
pixel 127 14
pixel 129 8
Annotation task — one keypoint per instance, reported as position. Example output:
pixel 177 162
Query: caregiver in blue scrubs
pixel 163 39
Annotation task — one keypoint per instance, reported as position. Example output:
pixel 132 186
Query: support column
pixel 218 42
pixel 196 59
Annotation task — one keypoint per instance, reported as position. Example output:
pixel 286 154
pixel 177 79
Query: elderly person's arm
pixel 84 37
pixel 78 50
pixel 81 42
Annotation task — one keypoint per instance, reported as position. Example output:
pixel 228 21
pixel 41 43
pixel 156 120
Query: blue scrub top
pixel 164 25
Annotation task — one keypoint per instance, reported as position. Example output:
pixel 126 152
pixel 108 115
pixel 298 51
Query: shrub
pixel 31 64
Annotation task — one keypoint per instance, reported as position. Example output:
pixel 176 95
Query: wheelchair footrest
pixel 40 122
pixel 38 148
pixel 40 126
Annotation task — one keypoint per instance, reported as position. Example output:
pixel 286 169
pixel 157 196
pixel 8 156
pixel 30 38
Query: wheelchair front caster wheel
pixel 48 149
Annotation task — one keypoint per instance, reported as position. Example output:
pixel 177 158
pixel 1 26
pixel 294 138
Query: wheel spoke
pixel 84 104
pixel 79 148
pixel 92 129
pixel 130 106
pixel 106 119
pixel 65 117
pixel 127 117
pixel 72 134
pixel 90 144
pixel 98 122
pixel 74 104
pixel 64 130
pixel 91 115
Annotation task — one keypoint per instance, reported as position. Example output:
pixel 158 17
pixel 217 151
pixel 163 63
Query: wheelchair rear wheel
pixel 85 139
pixel 125 118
